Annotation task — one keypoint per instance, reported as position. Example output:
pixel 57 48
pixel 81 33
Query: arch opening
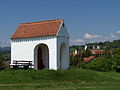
pixel 62 55
pixel 41 57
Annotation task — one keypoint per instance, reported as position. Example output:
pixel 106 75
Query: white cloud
pixel 91 36
pixel 78 41
pixel 118 32
pixel 87 36
pixel 94 38
pixel 113 36
pixel 97 36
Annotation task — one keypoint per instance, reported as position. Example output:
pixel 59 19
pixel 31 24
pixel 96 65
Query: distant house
pixel 74 53
pixel 100 52
pixel 87 59
pixel 97 52
pixel 46 43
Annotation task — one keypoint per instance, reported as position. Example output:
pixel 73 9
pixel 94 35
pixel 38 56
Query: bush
pixel 86 53
pixel 75 60
pixel 1 60
pixel 100 64
pixel 116 60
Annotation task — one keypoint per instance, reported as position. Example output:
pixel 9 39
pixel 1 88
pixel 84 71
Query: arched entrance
pixel 62 55
pixel 41 57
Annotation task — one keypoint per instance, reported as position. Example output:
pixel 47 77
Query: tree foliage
pixel 116 60
pixel 100 64
pixel 4 56
pixel 77 60
pixel 105 63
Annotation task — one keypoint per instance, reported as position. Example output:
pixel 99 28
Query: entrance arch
pixel 62 55
pixel 41 57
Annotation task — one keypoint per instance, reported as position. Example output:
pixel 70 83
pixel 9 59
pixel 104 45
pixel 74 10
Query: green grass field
pixel 71 79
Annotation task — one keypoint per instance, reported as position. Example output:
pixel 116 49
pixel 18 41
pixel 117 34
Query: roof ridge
pixel 43 22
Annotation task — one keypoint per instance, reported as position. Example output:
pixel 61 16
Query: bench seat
pixel 19 63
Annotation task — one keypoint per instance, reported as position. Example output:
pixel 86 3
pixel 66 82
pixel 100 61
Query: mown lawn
pixel 71 79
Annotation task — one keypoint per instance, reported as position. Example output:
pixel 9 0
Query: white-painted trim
pixel 32 39
pixel 59 28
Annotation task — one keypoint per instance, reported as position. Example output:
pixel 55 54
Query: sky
pixel 86 20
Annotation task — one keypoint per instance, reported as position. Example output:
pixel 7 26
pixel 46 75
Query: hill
pixel 5 48
pixel 61 79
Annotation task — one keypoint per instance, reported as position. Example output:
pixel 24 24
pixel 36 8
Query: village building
pixel 97 52
pixel 100 53
pixel 87 59
pixel 44 43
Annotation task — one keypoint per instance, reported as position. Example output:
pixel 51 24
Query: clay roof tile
pixel 37 29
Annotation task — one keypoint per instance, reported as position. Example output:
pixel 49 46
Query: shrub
pixel 100 64
pixel 75 60
pixel 86 53
pixel 116 60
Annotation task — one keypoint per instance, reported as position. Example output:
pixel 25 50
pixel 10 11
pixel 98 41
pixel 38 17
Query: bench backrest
pixel 22 62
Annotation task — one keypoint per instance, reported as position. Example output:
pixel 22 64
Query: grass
pixel 71 79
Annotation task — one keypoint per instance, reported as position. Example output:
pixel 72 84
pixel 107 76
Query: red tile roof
pixel 97 51
pixel 101 51
pixel 37 29
pixel 88 58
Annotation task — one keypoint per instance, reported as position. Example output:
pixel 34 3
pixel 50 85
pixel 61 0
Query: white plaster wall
pixel 23 49
pixel 63 31
pixel 65 62
pixel 63 37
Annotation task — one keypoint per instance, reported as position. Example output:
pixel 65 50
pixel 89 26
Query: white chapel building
pixel 45 43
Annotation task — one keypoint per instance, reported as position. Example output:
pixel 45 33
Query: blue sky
pixel 86 20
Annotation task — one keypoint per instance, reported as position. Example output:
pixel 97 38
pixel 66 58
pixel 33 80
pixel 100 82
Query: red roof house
pixel 88 58
pixel 97 51
pixel 101 51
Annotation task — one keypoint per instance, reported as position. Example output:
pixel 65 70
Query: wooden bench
pixel 18 63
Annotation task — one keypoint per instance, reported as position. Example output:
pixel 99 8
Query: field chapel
pixel 45 43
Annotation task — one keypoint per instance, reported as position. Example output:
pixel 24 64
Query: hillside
pixel 61 79
pixel 5 48
pixel 105 58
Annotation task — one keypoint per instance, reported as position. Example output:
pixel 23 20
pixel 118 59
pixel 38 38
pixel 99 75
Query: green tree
pixel 86 53
pixel 116 60
pixel 100 64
